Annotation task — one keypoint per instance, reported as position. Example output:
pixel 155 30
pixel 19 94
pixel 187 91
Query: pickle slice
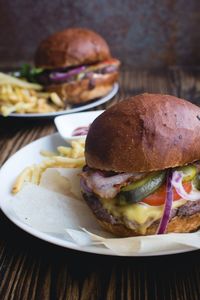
pixel 189 172
pixel 196 181
pixel 140 189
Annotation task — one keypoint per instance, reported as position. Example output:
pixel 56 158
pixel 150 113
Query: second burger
pixel 77 64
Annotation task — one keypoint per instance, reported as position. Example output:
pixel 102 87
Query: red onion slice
pixel 167 206
pixel 177 184
pixel 85 188
pixel 60 76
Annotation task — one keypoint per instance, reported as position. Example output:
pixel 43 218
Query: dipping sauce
pixel 83 130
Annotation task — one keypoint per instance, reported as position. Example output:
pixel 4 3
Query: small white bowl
pixel 66 124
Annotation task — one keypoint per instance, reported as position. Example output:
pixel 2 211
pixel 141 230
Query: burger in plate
pixel 142 173
pixel 76 63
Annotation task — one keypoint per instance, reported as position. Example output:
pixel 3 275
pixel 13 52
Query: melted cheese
pixel 138 215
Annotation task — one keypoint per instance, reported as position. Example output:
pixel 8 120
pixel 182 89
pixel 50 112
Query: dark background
pixel 143 34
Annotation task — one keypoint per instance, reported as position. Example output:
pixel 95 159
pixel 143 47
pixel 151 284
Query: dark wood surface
pixel 33 269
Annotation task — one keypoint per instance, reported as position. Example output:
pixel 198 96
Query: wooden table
pixel 34 269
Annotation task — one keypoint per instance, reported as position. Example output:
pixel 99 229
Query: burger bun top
pixel 145 133
pixel 70 48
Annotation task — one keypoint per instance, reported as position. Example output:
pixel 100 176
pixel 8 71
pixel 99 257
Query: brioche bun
pixel 145 133
pixel 71 47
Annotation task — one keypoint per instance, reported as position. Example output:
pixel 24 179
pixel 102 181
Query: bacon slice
pixel 108 186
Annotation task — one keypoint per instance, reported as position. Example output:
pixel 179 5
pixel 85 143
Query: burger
pixel 142 172
pixel 76 63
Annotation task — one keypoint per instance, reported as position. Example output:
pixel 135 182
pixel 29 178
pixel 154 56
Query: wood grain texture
pixel 33 269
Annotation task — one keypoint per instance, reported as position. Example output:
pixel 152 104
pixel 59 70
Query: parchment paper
pixel 56 206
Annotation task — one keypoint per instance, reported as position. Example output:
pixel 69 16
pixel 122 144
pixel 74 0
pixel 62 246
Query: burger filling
pixel 139 199
pixel 69 74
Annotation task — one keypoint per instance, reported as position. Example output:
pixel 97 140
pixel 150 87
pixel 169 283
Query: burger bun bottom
pixel 81 91
pixel 176 225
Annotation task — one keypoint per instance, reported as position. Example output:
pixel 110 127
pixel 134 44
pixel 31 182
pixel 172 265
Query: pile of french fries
pixel 66 157
pixel 20 96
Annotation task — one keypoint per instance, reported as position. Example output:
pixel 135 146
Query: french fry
pixel 67 157
pixel 36 175
pixel 66 151
pixel 46 153
pixel 19 107
pixel 82 143
pixel 25 175
pixel 44 95
pixel 78 150
pixel 19 96
pixel 56 100
pixel 68 162
pixel 8 79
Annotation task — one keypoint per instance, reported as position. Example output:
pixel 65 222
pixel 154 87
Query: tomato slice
pixel 158 198
pixel 112 61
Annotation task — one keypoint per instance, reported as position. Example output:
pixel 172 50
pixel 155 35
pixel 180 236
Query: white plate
pixel 76 108
pixel 66 124
pixel 8 173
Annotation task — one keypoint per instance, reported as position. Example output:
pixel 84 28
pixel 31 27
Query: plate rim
pixel 58 241
pixel 81 108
